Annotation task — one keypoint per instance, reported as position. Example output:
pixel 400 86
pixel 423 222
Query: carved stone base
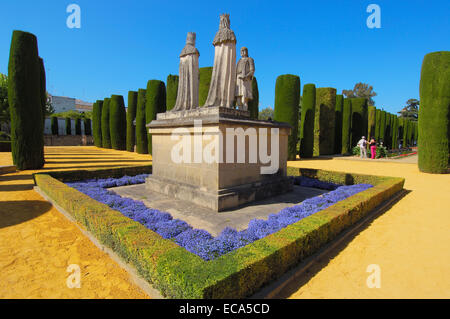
pixel 222 183
pixel 223 199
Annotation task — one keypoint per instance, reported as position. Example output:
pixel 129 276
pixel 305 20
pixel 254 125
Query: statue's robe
pixel 187 96
pixel 223 79
pixel 245 68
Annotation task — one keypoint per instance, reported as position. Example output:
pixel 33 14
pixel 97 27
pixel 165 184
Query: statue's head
pixel 224 21
pixel 191 38
pixel 244 52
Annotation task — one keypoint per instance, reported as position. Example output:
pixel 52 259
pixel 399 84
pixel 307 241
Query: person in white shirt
pixel 362 147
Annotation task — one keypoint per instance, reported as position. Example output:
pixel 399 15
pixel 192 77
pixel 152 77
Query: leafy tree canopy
pixel 411 110
pixel 266 114
pixel 361 90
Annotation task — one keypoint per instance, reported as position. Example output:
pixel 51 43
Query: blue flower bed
pixel 199 241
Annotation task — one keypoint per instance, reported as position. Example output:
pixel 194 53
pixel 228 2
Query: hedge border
pixel 177 273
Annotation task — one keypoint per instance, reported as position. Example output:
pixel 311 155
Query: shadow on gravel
pixel 291 282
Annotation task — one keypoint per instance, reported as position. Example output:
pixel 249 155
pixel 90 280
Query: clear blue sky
pixel 123 44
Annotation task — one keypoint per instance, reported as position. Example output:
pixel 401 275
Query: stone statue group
pixel 229 81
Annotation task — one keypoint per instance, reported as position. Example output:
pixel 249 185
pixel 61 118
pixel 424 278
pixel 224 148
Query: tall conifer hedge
pixel 24 97
pixel 346 127
pixel 205 75
pixel 172 91
pixel 253 105
pixel 324 121
pixel 307 120
pixel 97 122
pixel 118 123
pixel 359 119
pixel 155 102
pixel 338 124
pixel 141 131
pixel 131 115
pixel 106 135
pixel 287 97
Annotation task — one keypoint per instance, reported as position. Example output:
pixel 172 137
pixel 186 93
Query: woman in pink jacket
pixel 373 147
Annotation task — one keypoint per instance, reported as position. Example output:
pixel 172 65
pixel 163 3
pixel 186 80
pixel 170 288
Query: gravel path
pixel 37 243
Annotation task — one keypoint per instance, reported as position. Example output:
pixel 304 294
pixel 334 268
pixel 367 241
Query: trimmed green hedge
pixel 359 119
pixel 24 98
pixel 307 121
pixel 205 75
pixel 371 121
pixel 106 135
pixel 172 91
pixel 287 98
pixel 382 126
pixel 43 90
pixel 324 121
pixel 97 122
pixel 54 125
pixel 155 102
pixel 78 126
pixel 87 127
pixel 346 127
pixel 131 116
pixel 68 126
pixel 338 124
pixel 394 143
pixel 118 123
pixel 141 130
pixel 253 105
pixel 177 273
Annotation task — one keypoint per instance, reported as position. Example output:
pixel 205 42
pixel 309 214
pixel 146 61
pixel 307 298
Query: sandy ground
pixel 37 243
pixel 409 242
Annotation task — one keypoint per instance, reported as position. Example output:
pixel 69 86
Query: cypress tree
pixel 131 115
pixel 106 137
pixel 307 120
pixel 253 105
pixel 78 126
pixel 387 134
pixel 377 124
pixel 24 97
pixel 324 121
pixel 155 102
pixel 394 132
pixel 205 75
pixel 287 96
pixel 346 126
pixel 382 126
pixel 43 89
pixel 371 121
pixel 405 132
pixel 338 124
pixel 359 119
pixel 68 126
pixel 141 131
pixel 97 122
pixel 87 127
pixel 118 123
pixel 54 125
pixel 172 91
pixel 416 133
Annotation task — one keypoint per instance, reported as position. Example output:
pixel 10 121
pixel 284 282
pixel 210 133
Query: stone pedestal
pixel 238 172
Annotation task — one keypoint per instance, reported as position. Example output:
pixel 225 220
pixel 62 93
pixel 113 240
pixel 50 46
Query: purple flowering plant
pixel 199 241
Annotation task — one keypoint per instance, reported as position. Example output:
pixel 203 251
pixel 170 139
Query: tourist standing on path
pixel 362 147
pixel 373 147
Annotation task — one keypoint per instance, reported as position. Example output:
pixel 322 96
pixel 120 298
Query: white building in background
pixel 82 106
pixel 64 104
